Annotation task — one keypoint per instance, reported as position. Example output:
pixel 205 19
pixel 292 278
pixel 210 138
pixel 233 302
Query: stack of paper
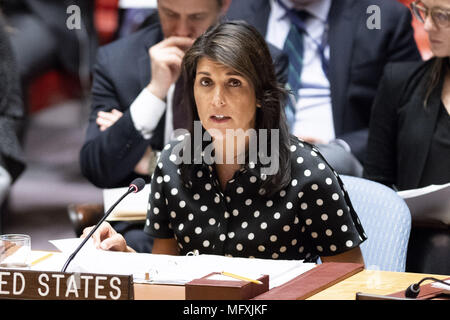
pixel 133 207
pixel 429 204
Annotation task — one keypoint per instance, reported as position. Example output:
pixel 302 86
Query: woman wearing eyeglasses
pixel 409 139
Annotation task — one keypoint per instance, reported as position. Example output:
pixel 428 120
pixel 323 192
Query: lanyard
pixel 295 19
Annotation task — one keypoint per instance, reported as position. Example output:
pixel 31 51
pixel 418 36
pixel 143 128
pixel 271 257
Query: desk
pixel 367 281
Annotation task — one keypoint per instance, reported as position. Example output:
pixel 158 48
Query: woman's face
pixel 438 36
pixel 225 99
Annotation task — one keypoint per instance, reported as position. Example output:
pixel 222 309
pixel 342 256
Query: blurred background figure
pixel 409 140
pixel 12 161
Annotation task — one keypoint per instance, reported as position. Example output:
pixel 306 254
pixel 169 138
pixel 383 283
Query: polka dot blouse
pixel 311 217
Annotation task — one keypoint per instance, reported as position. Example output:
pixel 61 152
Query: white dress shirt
pixel 314 114
pixel 146 111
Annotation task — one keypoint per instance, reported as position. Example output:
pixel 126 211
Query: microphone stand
pixel 131 189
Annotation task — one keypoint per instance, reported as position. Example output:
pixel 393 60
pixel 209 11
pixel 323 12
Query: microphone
pixel 135 186
pixel 413 290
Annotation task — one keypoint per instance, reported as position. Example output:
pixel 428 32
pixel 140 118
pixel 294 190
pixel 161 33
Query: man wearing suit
pixel 42 40
pixel 12 160
pixel 335 97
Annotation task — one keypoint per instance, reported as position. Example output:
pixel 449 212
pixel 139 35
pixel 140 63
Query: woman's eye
pixel 205 82
pixel 234 83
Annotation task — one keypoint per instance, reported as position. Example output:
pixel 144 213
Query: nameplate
pixel 26 284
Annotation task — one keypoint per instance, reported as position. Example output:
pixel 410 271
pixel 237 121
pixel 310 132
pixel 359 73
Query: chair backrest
pixel 386 220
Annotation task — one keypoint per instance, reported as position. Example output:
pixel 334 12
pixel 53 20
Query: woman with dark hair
pixel 283 204
pixel 409 140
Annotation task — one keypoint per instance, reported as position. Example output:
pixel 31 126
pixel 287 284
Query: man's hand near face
pixel 165 61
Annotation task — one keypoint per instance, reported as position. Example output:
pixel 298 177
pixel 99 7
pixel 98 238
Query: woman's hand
pixel 106 238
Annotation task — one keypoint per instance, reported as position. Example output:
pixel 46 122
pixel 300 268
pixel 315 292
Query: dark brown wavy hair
pixel 239 46
pixel 437 73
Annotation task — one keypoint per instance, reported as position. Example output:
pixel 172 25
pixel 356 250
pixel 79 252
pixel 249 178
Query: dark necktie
pixel 293 47
pixel 179 113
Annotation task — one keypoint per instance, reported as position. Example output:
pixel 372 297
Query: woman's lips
pixel 219 118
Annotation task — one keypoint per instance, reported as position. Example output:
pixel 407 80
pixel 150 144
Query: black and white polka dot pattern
pixel 311 216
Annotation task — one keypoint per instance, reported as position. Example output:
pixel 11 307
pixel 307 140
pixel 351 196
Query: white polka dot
pixel 301 249
pixel 196 196
pixel 314 187
pixel 333 247
pixel 147 222
pixel 274 255
pixel 296 220
pixel 231 235
pixel 324 217
pixel 269 203
pixel 319 202
pixel 226 215
pixel 239 190
pixel 328 232
pixel 256 214
pixel 206 243
pixel 182 204
pixel 293 148
pixel 235 212
pixel 253 179
pixel 307 173
pixel 173 158
pixel 198 230
pixel 166 178
pixel 208 186
pixel 313 153
pixel 216 199
pixel 244 225
pixel 314 235
pixel 261 248
pixel 340 212
pixel 282 193
pixel 180 226
pixel 308 222
pixel 349 243
pixel 283 249
pixel 203 208
pixel 321 166
pixel 328 181
pixel 319 248
pixel 300 195
pixel 159 179
pixel 344 228
pixel 276 215
pixel 155 210
pixel 294 182
pixel 174 191
pixel 222 237
pixel 212 221
pixel 157 195
pixel 294 242
pixel 335 196
pixel 304 206
pixel 299 160
pixel 263 225
pixel 173 214
pixel 273 238
pixel 286 228
pixel 190 216
pixel 156 226
pixel 199 173
pixel 239 247
pixel 167 146
pixel 248 202
pixel 251 236
pixel 187 239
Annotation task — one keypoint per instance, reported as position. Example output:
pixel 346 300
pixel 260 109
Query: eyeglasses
pixel 440 17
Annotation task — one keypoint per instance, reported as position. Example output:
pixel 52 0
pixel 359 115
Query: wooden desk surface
pixel 367 281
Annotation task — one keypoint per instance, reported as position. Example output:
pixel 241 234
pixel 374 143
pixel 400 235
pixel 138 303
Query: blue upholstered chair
pixel 386 220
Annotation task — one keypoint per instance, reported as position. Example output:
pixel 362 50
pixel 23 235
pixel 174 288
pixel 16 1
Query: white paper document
pixel 167 269
pixel 133 207
pixel 431 203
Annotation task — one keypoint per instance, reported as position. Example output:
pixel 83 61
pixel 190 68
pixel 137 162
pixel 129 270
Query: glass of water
pixel 14 250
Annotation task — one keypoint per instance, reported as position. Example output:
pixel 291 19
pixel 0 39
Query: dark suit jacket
pixel 357 57
pixel 401 128
pixel 11 109
pixel 121 72
pixel 53 14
